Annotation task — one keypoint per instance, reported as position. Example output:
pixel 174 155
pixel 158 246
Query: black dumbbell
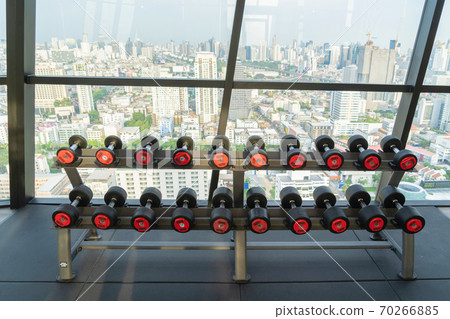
pixel 370 217
pixel 66 215
pixel 69 155
pixel 295 158
pixel 334 218
pixel 403 159
pixel 144 217
pixel 144 155
pixel 182 156
pixel 219 155
pixel 106 155
pixel 257 157
pixel 332 157
pixel 298 220
pixel 407 218
pixel 258 217
pixel 183 218
pixel 105 216
pixel 367 159
pixel 221 219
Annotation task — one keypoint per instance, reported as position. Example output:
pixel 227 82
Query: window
pixel 289 41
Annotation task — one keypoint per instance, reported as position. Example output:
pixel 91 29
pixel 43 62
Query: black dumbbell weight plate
pixel 388 141
pixel 65 215
pixel 356 141
pixel 255 194
pixel 83 192
pixel 222 194
pixel 151 194
pixel 322 194
pixel 187 195
pixel 356 192
pixel 290 194
pixel 322 141
pixel 118 193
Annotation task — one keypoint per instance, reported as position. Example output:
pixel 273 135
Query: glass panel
pixel 3 37
pixel 438 72
pixel 130 113
pixel 307 115
pixel 430 141
pixel 312 40
pixel 4 160
pixel 134 38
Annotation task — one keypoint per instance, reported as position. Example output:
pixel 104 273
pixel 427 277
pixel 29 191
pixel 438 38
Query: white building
pixel 169 182
pixel 206 104
pixel 84 92
pixel 304 181
pixel 130 133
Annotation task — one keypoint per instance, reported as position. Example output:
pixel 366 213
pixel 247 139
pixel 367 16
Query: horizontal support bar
pixel 230 246
pixel 122 81
pixel 435 89
pixel 213 83
pixel 277 161
pixel 321 86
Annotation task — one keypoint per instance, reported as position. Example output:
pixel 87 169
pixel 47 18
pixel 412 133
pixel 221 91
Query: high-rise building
pixel 424 112
pixel 46 94
pixel 84 92
pixel 240 105
pixel 375 65
pixel 440 59
pixel 206 104
pixel 346 105
pixel 168 101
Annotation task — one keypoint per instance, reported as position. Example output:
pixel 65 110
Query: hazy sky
pixel 159 21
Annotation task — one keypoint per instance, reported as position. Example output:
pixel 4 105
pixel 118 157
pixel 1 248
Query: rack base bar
pixel 230 246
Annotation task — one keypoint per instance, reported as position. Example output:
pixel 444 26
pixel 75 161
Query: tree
pixel 99 94
pixel 94 116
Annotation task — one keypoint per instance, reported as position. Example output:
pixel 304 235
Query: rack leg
pixel 407 272
pixel 64 256
pixel 94 235
pixel 240 257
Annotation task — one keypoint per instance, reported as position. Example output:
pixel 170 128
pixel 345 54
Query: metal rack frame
pixel 90 239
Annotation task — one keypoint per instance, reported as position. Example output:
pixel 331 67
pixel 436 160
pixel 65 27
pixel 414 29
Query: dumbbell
pixel 66 215
pixel 257 156
pixel 144 217
pixel 105 216
pixel 258 218
pixel 144 155
pixel 183 218
pixel 221 219
pixel 182 156
pixel 332 157
pixel 298 220
pixel 370 217
pixel 219 155
pixel 333 218
pixel 106 155
pixel 407 218
pixel 295 158
pixel 69 155
pixel 367 159
pixel 403 159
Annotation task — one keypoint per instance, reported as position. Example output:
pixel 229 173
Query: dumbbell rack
pixel 90 239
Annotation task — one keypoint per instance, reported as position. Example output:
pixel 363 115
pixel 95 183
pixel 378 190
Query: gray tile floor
pixel 28 266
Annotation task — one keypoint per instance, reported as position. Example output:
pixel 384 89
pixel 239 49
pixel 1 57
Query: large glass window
pixel 130 113
pixel 315 40
pixel 134 38
pixel 429 139
pixel 307 115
